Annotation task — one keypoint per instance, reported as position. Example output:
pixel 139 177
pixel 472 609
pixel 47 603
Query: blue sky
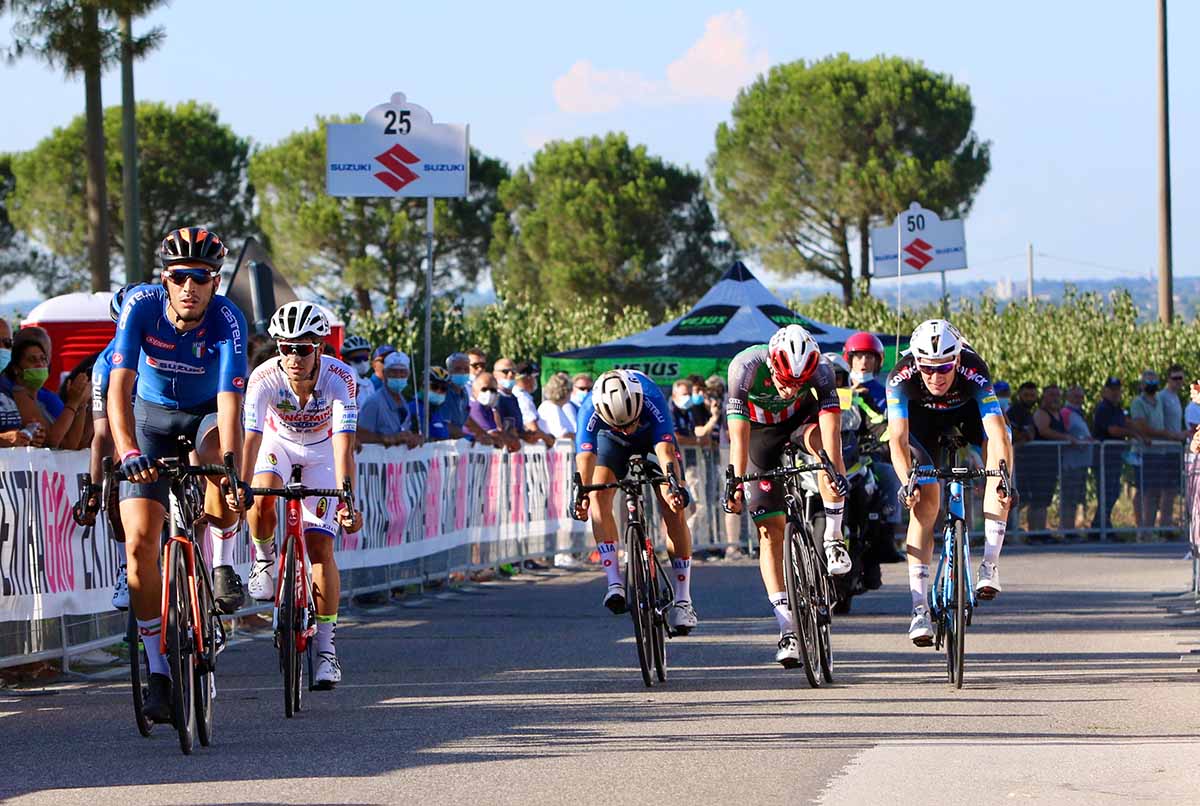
pixel 1065 91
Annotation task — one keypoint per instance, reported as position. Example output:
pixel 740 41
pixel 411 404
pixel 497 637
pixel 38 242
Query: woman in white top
pixel 556 414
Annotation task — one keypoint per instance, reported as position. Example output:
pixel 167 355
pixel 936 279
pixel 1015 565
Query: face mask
pixel 577 397
pixel 682 402
pixel 861 377
pixel 437 398
pixel 5 358
pixel 461 379
pixel 34 377
pixel 363 368
pixel 486 399
pixel 698 400
pixel 1003 402
pixel 508 383
pixel 397 385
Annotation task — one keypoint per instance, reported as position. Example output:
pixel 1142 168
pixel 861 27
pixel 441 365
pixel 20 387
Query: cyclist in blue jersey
pixel 626 415
pixel 183 347
pixel 942 384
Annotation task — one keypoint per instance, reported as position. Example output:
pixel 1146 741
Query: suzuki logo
pixel 398 174
pixel 918 253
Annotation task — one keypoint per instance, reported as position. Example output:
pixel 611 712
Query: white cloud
pixel 718 64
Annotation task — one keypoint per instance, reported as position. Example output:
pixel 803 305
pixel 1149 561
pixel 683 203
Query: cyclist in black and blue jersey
pixel 941 384
pixel 627 415
pixel 183 347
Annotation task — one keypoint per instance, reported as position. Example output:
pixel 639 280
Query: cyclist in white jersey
pixel 301 410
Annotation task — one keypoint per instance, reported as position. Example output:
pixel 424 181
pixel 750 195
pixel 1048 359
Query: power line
pixel 1090 264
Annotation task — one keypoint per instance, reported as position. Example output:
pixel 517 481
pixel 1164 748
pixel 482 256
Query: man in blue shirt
pixel 1108 424
pixel 626 415
pixel 439 429
pixel 384 419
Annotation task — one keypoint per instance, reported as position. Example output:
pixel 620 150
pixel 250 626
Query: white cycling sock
pixel 264 549
pixel 783 615
pixel 150 631
pixel 918 584
pixel 222 544
pixel 833 521
pixel 993 535
pixel 326 626
pixel 681 581
pixel 608 559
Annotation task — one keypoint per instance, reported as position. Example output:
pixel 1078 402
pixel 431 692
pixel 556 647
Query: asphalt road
pixel 1082 687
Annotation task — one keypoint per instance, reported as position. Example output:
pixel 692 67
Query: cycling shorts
pixel 278 456
pixel 764 498
pixel 926 426
pixel 157 432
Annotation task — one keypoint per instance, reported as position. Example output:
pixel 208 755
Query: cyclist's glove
pixel 244 493
pixel 839 484
pixel 134 465
pixel 85 509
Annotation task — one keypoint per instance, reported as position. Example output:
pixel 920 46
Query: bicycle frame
pixel 303 584
pixel 943 581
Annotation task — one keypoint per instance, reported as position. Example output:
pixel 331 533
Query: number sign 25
pixel 401 124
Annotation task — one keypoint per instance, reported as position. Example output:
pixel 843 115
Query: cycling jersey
pixel 278 456
pixel 180 370
pixel 272 404
pixel 972 383
pixel 654 423
pixel 753 396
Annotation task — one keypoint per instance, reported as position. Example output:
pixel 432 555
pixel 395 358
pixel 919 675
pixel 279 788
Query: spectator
pixel 1043 465
pixel 83 368
pixel 1020 419
pixel 714 397
pixel 705 419
pixel 681 413
pixel 527 382
pixel 25 378
pixel 356 351
pixel 557 414
pixel 456 411
pixel 1191 415
pixel 1172 458
pixel 1152 492
pixel 11 421
pixel 377 359
pixel 581 387
pixel 484 414
pixel 385 418
pixel 260 348
pixel 508 410
pixel 439 384
pixel 1109 423
pixel 477 362
pixel 1072 490
pixel 1003 394
pixel 864 353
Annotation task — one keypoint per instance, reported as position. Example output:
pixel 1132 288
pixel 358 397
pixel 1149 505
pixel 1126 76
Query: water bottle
pixel 30 431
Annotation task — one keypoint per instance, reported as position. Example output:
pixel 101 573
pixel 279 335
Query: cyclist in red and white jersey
pixel 301 410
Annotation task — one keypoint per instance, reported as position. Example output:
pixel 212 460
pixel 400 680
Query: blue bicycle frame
pixel 943 581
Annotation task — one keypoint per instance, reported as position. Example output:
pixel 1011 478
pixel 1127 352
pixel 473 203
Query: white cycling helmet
pixel 353 344
pixel 935 341
pixel 837 362
pixel 617 396
pixel 296 319
pixel 794 355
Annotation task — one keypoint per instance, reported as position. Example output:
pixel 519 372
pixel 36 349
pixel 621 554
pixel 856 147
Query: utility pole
pixel 129 198
pixel 1029 275
pixel 1165 289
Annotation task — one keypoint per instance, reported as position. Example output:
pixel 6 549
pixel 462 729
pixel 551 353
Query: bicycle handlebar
pixel 174 468
pixel 959 474
pixel 298 492
pixel 630 486
pixel 733 481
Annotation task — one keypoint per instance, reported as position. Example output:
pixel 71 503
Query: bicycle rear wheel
pixel 181 649
pixel 139 674
pixel 289 659
pixel 796 571
pixel 205 668
pixel 663 597
pixel 641 600
pixel 957 617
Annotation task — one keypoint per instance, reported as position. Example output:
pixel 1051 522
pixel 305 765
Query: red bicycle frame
pixel 189 555
pixel 295 531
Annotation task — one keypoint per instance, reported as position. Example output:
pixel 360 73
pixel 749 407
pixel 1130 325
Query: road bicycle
pixel 295 617
pixel 647 585
pixel 810 590
pixel 953 591
pixel 192 634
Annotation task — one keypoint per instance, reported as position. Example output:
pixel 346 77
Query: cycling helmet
pixel 794 355
pixel 118 299
pixel 353 344
pixel 618 396
pixel 935 341
pixel 296 319
pixel 192 245
pixel 838 363
pixel 439 375
pixel 863 342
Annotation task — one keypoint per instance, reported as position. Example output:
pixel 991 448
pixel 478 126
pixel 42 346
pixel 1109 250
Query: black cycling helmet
pixel 118 299
pixel 192 245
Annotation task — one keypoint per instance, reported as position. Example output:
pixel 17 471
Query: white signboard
pixel 926 243
pixel 397 151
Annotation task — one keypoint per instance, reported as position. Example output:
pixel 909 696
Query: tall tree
pixel 598 216
pixel 77 36
pixel 191 170
pixel 371 248
pixel 816 154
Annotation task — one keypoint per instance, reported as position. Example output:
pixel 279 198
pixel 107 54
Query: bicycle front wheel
pixel 204 682
pixel 663 598
pixel 957 617
pixel 641 598
pixel 139 674
pixel 822 596
pixel 289 659
pixel 181 649
pixel 796 573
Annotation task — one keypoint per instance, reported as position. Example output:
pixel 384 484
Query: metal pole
pixel 899 283
pixel 945 298
pixel 1165 297
pixel 428 306
pixel 129 188
pixel 1029 270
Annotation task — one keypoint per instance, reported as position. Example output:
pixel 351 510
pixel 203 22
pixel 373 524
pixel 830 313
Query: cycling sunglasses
pixel 181 276
pixel 301 348
pixel 935 369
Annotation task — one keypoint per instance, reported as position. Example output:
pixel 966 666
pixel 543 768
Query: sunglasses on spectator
pixel 1175 378
pixel 935 369
pixel 301 348
pixel 181 276
pixel 490 389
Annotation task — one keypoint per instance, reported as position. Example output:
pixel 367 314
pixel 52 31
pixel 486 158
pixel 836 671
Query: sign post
pixel 920 244
pixel 398 152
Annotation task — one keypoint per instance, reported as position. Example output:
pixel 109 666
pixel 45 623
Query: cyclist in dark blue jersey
pixel 182 347
pixel 626 415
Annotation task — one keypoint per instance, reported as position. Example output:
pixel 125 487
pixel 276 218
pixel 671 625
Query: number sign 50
pixel 914 223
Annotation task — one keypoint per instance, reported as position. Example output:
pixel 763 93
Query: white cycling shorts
pixel 278 456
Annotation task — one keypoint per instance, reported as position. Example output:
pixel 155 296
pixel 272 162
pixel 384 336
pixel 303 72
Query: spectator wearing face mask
pixel 1003 395
pixel 60 420
pixel 704 417
pixel 385 418
pixel 508 410
pixel 863 352
pixel 356 351
pixel 485 415
pixel 377 358
pixel 681 412
pixel 477 362
pixel 11 421
pixel 456 410
pixel 581 387
pixel 439 384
